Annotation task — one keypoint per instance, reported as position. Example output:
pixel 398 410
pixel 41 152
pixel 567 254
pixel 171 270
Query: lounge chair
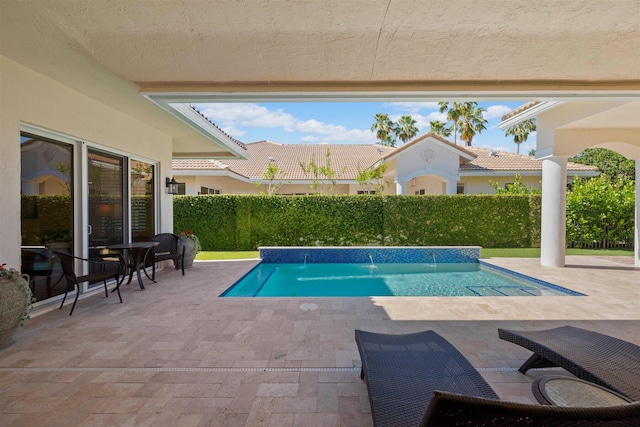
pixel 402 371
pixel 420 379
pixel 591 356
pixel 446 409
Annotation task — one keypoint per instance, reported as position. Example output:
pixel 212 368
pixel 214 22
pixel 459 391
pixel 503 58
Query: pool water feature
pixel 430 277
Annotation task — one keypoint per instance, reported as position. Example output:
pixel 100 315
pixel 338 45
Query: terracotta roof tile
pixel 491 160
pixel 424 136
pixel 351 156
pixel 345 158
pixel 519 109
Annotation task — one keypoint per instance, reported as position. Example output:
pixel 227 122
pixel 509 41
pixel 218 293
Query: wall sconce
pixel 414 182
pixel 172 186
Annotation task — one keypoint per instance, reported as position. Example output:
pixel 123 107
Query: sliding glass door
pixel 46 176
pixel 106 200
pixel 118 206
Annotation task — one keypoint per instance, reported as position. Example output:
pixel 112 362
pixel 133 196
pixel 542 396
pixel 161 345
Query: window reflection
pixel 46 177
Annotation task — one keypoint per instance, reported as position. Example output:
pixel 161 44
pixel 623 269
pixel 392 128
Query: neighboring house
pixel 428 164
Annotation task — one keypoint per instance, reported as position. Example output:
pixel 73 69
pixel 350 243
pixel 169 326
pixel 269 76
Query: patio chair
pixel 591 356
pixel 37 263
pixel 420 379
pixel 99 270
pixel 170 247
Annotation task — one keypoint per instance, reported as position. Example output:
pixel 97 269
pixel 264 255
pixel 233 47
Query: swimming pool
pixel 388 279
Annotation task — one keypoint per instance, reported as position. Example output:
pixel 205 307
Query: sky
pixel 346 122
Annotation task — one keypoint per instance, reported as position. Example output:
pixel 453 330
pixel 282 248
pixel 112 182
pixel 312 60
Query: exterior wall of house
pixel 480 184
pixel 29 97
pixel 225 184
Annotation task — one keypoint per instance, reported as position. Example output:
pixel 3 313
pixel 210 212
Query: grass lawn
pixel 485 253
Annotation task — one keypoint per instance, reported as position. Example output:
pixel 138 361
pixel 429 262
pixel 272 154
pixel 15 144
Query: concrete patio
pixel 176 354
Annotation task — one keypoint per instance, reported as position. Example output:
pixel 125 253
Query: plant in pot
pixel 191 245
pixel 16 300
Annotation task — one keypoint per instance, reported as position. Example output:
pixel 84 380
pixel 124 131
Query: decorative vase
pixel 190 251
pixel 15 300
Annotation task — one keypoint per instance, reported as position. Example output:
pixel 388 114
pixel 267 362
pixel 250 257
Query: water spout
pixel 306 256
pixel 433 256
pixel 371 259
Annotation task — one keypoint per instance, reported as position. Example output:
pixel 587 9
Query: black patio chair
pixel 170 248
pixel 38 263
pixel 98 270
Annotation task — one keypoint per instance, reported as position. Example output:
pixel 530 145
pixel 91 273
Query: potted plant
pixel 16 300
pixel 191 245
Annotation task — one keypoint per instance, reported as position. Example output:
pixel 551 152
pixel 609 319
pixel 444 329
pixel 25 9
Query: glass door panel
pixel 106 200
pixel 46 177
pixel 142 180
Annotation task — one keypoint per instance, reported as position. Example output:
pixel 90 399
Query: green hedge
pixel 600 213
pixel 244 222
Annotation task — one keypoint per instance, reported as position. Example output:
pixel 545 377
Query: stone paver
pixel 178 355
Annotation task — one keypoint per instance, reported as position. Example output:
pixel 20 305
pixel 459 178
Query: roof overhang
pixel 200 124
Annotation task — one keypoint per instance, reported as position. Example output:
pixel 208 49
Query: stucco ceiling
pixel 200 45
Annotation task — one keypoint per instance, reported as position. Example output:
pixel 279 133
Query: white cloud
pixel 309 138
pixel 496 111
pixel 246 114
pixel 413 107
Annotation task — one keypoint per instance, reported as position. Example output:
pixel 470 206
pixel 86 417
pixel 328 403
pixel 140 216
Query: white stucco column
pixel 554 216
pixel 401 187
pixel 452 186
pixel 637 230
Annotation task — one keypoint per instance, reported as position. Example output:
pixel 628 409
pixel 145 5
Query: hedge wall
pixel 244 222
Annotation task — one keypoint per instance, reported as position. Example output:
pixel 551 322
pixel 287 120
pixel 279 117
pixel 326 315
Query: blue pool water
pixel 387 279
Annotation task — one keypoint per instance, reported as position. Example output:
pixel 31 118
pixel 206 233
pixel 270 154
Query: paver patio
pixel 176 354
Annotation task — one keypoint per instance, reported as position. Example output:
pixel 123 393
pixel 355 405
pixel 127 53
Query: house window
pixel 207 190
pixel 460 188
pixel 182 188
pixel 420 192
pixel 366 192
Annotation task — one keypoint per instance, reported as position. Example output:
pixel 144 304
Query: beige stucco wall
pixel 29 97
pixel 480 184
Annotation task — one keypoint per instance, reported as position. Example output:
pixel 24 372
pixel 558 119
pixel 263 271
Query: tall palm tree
pixel 383 127
pixel 453 115
pixel 405 128
pixel 521 131
pixel 440 128
pixel 471 122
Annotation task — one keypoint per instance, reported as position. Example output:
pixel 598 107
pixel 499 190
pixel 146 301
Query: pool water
pixel 401 279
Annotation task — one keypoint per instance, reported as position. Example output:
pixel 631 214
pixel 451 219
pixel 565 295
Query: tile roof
pixel 492 160
pixel 424 136
pixel 351 156
pixel 520 109
pixel 288 157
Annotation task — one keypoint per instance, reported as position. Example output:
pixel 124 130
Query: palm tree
pixel 453 115
pixel 440 128
pixel 383 127
pixel 471 122
pixel 521 131
pixel 405 128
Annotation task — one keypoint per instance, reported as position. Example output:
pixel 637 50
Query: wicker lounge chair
pixel 402 371
pixel 591 356
pixel 420 379
pixel 447 409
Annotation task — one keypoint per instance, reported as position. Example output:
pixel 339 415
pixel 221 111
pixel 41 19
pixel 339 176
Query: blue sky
pixel 345 122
